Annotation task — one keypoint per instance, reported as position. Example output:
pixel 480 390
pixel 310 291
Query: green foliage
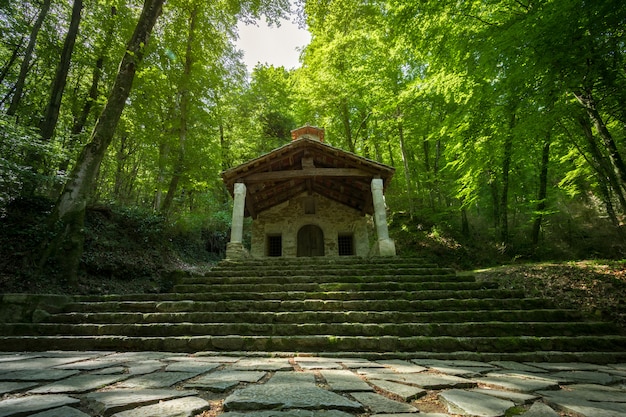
pixel 202 235
pixel 21 225
pixel 464 86
pixel 147 225
pixel 19 148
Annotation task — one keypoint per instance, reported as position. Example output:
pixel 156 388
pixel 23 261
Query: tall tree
pixel 184 103
pixel 14 55
pixel 68 215
pixel 507 156
pixel 542 194
pixel 18 90
pixel 51 114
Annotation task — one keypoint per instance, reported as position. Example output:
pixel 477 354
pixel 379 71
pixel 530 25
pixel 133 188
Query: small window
pixel 309 205
pixel 345 244
pixel 274 245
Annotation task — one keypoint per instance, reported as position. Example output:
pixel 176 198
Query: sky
pixel 276 46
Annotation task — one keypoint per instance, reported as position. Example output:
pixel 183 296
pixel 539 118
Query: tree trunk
pixel 120 158
pixel 224 149
pixel 428 172
pixel 364 138
pixel 11 61
pixel 376 142
pixel 345 120
pixel 51 115
pixel 436 165
pixel 426 148
pixel 179 168
pixel 407 174
pixel 28 56
pixel 504 196
pixel 495 198
pixel 543 191
pixel 390 150
pixel 605 170
pixel 158 193
pixel 81 119
pixel 465 229
pixel 68 215
pixel 608 204
pixel 589 104
pixel 173 186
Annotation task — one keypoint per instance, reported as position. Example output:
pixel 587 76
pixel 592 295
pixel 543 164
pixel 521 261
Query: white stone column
pixel 235 249
pixel 239 205
pixel 385 245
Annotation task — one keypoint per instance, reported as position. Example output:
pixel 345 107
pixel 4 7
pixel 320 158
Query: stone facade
pixel 345 230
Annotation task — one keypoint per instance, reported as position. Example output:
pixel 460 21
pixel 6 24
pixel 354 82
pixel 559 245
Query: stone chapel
pixel 308 198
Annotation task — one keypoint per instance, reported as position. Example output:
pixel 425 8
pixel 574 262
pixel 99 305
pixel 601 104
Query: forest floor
pixel 597 287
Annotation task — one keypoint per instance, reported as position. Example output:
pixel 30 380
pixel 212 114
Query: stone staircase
pixel 344 306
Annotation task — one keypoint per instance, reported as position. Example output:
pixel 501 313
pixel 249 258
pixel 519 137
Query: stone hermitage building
pixel 308 198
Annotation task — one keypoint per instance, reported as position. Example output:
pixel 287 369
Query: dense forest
pixel 505 119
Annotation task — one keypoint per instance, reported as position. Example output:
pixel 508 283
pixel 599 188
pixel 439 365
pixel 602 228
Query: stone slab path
pixel 205 384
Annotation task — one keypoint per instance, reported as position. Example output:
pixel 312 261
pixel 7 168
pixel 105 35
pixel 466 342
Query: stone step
pixel 200 286
pixel 357 267
pixel 277 305
pixel 266 317
pixel 303 296
pixel 466 329
pixel 525 346
pixel 328 262
pixel 325 279
pixel 197 293
pixel 322 271
pixel 388 284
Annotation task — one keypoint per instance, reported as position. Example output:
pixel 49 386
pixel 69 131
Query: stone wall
pixel 333 218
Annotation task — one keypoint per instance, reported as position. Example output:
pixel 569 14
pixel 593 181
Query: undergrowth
pixel 126 250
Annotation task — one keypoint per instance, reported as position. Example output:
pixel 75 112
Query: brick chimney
pixel 308 132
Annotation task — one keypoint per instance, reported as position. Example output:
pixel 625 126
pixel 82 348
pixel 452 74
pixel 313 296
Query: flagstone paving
pixel 125 384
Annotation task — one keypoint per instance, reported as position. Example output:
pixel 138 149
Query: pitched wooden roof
pixel 307 165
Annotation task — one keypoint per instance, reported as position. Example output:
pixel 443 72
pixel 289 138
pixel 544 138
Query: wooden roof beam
pixel 355 202
pixel 280 198
pixel 260 164
pixel 305 173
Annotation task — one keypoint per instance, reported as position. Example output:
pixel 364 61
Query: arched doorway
pixel 310 241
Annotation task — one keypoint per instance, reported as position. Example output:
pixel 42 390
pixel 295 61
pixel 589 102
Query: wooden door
pixel 310 241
